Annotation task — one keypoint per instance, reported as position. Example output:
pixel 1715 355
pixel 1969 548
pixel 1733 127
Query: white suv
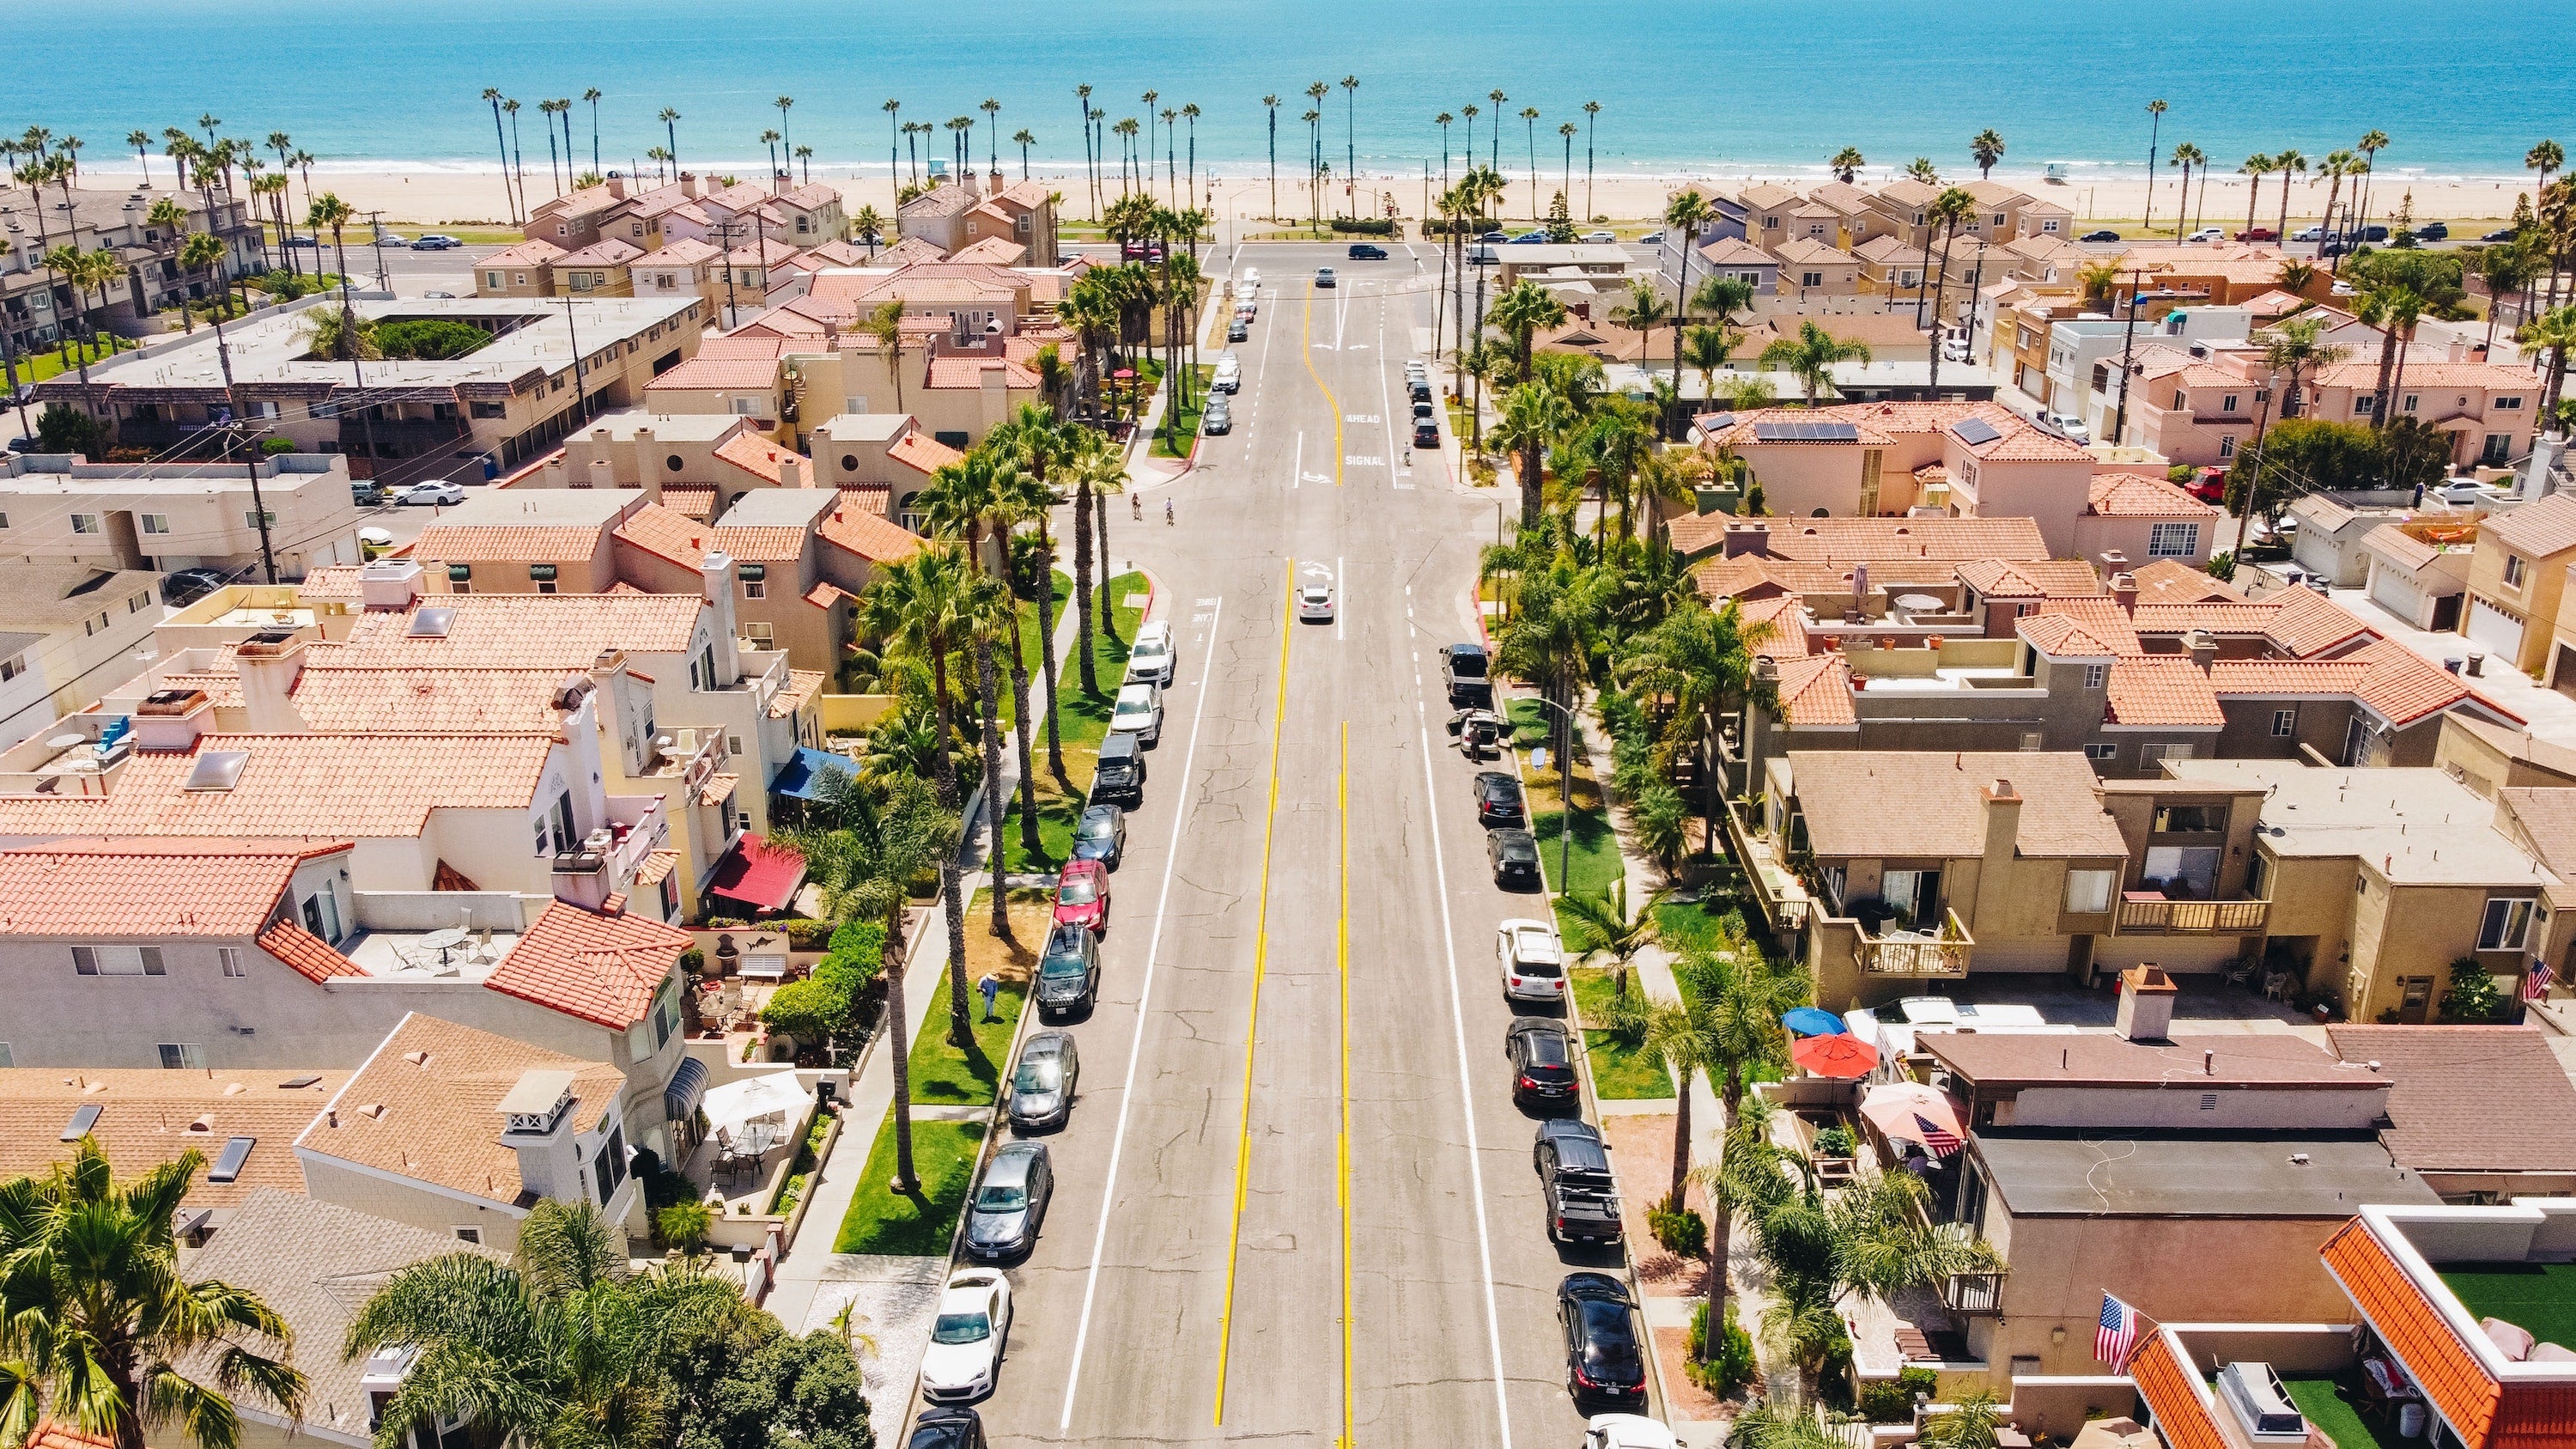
pixel 1533 962
pixel 1139 711
pixel 1229 373
pixel 1149 659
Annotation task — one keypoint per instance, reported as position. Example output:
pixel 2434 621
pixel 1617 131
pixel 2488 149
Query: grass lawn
pixel 1080 720
pixel 1179 431
pixel 943 1074
pixel 921 1223
pixel 2329 1413
pixel 37 366
pixel 1617 1071
pixel 2538 1297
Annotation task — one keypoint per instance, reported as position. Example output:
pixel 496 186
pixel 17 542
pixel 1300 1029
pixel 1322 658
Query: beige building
pixel 2517 582
pixel 166 516
pixel 37 308
pixel 959 214
pixel 597 270
pixel 69 633
pixel 525 270
pixel 1815 270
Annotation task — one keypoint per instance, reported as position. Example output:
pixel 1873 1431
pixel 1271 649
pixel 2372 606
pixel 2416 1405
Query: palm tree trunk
pixel 989 696
pixel 1046 654
pixel 1108 615
pixel 1681 1141
pixel 893 1021
pixel 1712 782
pixel 2379 399
pixel 1083 504
pixel 961 1026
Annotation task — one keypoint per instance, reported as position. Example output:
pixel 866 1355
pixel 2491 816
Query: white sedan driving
pixel 966 1338
pixel 423 494
pixel 1315 603
pixel 1532 960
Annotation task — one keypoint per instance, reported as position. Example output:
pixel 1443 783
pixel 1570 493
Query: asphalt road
pixel 1269 1128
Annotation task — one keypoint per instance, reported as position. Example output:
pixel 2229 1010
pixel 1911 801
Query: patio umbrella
pixel 1834 1056
pixel 736 1104
pixel 1913 1112
pixel 1810 1021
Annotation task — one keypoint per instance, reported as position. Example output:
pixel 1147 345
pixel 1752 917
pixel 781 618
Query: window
pixel 469 1235
pixel 2048 226
pixel 230 958
pixel 2096 675
pixel 117 961
pixel 155 522
pixel 2227 404
pixel 2189 871
pixel 733 744
pixel 489 409
pixel 2508 404
pixel 754 587
pixel 84 523
pixel 2258 877
pixel 608 1169
pixel 322 915
pixel 259 518
pixel 2514 569
pixel 2190 819
pixel 2182 401
pixel 2150 756
pixel 492 280
pixel 2226 447
pixel 2173 540
pixel 2285 723
pixel 2101 752
pixel 5 1060
pixel 1811 279
pixel 742 406
pixel 182 1056
pixel 2417 990
pixel 2412 399
pixel 759 632
pixel 2088 892
pixel 12 667
pixel 2507 924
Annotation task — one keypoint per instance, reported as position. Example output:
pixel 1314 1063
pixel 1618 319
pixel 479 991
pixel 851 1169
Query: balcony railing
pixel 1941 954
pixel 2160 917
pixel 1978 1293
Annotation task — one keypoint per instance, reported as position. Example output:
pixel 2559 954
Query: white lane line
pixel 1386 397
pixel 1341 576
pixel 1466 1093
pixel 1298 471
pixel 1136 1043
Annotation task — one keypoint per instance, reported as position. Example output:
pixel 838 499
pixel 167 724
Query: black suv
pixel 948 1426
pixel 1069 972
pixel 1367 252
pixel 1582 1195
pixel 1120 780
pixel 1464 672
pixel 1603 1360
pixel 1513 856
pixel 1498 798
pixel 1426 434
pixel 1542 1059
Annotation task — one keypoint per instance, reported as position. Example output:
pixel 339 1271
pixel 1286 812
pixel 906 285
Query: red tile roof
pixel 2132 495
pixel 968 372
pixel 2101 616
pixel 503 543
pixel 150 887
pixel 320 786
pixel 2171 692
pixel 2401 685
pixel 527 631
pixel 1817 690
pixel 2171 581
pixel 867 535
pixel 667 533
pixel 2411 1326
pixel 2173 1391
pixel 758 456
pixel 728 374
pixel 697 500
pixel 2309 624
pixel 606 252
pixel 2030 578
pixel 306 952
pixel 601 968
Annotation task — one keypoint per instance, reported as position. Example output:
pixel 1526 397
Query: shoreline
pixel 469 193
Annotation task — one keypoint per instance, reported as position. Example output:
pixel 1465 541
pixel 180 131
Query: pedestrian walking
pixel 990 986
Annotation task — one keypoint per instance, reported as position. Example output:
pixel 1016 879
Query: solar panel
pixel 84 1117
pixel 218 770
pixel 1784 431
pixel 1836 433
pixel 1975 432
pixel 228 1166
pixel 432 622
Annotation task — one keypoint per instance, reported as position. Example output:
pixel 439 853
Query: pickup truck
pixel 1574 1176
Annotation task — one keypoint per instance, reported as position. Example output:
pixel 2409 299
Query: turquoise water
pixel 2461 87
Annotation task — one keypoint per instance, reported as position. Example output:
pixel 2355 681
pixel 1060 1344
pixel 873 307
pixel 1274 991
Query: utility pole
pixel 1476 412
pixel 237 435
pixel 724 244
pixel 580 394
pixel 376 225
pixel 2253 474
pixel 2128 335
pixel 9 363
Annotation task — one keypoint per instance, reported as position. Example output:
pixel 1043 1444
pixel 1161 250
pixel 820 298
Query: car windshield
pixel 1545 1050
pixel 1467 666
pixel 1063 961
pixel 1095 827
pixel 1041 1074
pixel 995 1199
pixel 961 1328
pixel 1082 890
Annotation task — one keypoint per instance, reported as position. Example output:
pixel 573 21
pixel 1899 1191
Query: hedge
pixel 1364 226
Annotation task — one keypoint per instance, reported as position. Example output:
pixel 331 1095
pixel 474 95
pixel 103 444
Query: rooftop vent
pixel 218 770
pixel 307 1080
pixel 170 703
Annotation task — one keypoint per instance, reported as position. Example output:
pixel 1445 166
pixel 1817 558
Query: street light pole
pixel 1564 794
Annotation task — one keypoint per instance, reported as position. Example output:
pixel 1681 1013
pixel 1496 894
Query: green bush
pixel 684 1225
pixel 2472 995
pixel 1891 1401
pixel 275 446
pixel 1725 1372
pixel 811 1011
pixel 853 956
pixel 1836 1141
pixel 804 935
pixel 693 960
pixel 429 339
pixel 1683 1233
pixel 64 429
pixel 1363 226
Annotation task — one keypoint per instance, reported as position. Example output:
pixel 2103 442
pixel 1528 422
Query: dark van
pixel 1120 779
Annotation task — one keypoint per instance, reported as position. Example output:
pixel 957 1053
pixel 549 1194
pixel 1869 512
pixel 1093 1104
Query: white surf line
pixel 1466 1093
pixel 1136 1043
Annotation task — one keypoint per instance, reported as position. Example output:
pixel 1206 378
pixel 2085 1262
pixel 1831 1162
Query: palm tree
pixel 553 168
pixel 1498 98
pixel 1847 163
pixel 170 219
pixel 1644 311
pixel 1969 1423
pixel 2552 332
pixel 922 607
pixel 2336 166
pixel 1921 169
pixel 86 271
pixel 1524 310
pixel 1987 146
pixel 99 1315
pixel 1039 441
pixel 518 162
pixel 1950 208
pixel 2544 158
pixel 492 96
pixel 1102 468
pixel 2186 155
pixel 1706 351
pixel 1591 122
pixel 1566 130
pixel 2372 142
pixel 1529 119
pixel 1684 214
pixel 593 97
pixel 2289 163
pixel 2257 166
pixel 670 120
pixel 141 141
pixel 2297 276
pixel 1811 357
pixel 895 134
pixel 980 496
pixel 1533 417
pixel 769 137
pixel 1701 661
pixel 1024 138
pixel 2393 309
pixel 885 324
pixel 1602 924
pixel 1350 132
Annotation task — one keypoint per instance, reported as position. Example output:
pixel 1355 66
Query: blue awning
pixel 806 773
pixel 688 1085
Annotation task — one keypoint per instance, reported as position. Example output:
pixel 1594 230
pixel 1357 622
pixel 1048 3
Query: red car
pixel 2210 486
pixel 2258 233
pixel 1082 896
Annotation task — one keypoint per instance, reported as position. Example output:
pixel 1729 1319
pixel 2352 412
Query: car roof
pixel 1045 1044
pixel 1476 649
pixel 1593 1286
pixel 1118 744
pixel 1083 867
pixel 1011 1164
pixel 1155 629
pixel 1101 812
pixel 1523 923
pixel 1484 777
pixel 1069 936
pixel 1537 1026
pixel 1516 840
pixel 1135 691
pixel 1565 1128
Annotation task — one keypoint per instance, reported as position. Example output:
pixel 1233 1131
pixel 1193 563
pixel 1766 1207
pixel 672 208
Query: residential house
pixel 1767 206
pixel 2382 880
pixel 1866 459
pixel 726 384
pixel 2328 542
pixel 2483 1114
pixel 524 270
pixel 686 461
pixel 2167 354
pixel 2418 569
pixel 600 269
pixel 1816 270
pixel 244 1119
pixel 1850 206
pixel 1903 209
pixel 1726 219
pixel 2140 515
pixel 809 215
pixel 682 267
pixel 2517 578
pixel 800 556
pixel 68 634
pixel 2488 757
pixel 165 516
pixel 956 215
pixel 880 460
pixel 526 540
pixel 1890 337
pixel 1890 266
pixel 1737 261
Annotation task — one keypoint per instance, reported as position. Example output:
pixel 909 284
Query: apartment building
pixel 69 633
pixel 524 270
pixel 1814 269
pixel 37 309
pixel 959 214
pixel 525 540
pixel 800 557
pixel 600 269
pixel 164 516
pixel 2518 583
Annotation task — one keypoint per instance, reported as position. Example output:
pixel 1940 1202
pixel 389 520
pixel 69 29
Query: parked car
pixel 1139 712
pixel 2501 234
pixel 1426 434
pixel 954 1426
pixel 2464 492
pixel 2333 249
pixel 1955 350
pixel 1141 250
pixel 1367 252
pixel 1602 1358
pixel 966 1338
pixel 1600 238
pixel 2208 234
pixel 433 242
pixel 302 241
pixel 1417 387
pixel 1042 1087
pixel 2374 233
pixel 366 493
pixel 1119 778
pixel 1513 854
pixel 1218 420
pixel 1010 1203
pixel 2105 234
pixel 1573 1166
pixel 1528 238
pixel 2433 231
pixel 1248 283
pixel 372 537
pixel 391 238
pixel 2066 425
pixel 2309 234
pixel 422 494
pixel 1101 835
pixel 1149 659
pixel 1246 310
pixel 1235 331
pixel 1082 895
pixel 1533 961
pixel 1315 603
pixel 2258 234
pixel 1620 1431
pixel 436 295
pixel 2209 486
pixel 1466 675
pixel 187 586
pixel 1493 238
pixel 1068 972
pixel 1542 1058
pixel 1498 798
pixel 1651 239
pixel 1228 377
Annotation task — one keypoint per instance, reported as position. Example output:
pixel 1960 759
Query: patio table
pixel 443 941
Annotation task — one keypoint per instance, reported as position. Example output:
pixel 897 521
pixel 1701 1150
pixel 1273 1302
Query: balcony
pixel 2144 913
pixel 1775 887
pixel 1918 953
pixel 1978 1293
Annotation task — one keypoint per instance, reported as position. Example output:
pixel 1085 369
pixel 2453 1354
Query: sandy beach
pixel 464 196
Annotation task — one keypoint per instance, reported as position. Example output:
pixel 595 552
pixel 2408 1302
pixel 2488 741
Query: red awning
pixel 758 874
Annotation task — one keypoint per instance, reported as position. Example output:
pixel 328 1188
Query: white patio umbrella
pixel 776 1096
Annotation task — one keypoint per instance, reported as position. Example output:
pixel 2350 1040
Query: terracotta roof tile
pixel 2309 623
pixel 2401 685
pixel 438 1087
pixel 686 251
pixel 528 631
pixel 727 374
pixel 151 887
pixel 1776 626
pixel 1998 578
pixel 1873 539
pixel 535 252
pixel 667 533
pixel 909 251
pixel 306 952
pixel 2441 1365
pixel 657 865
pixel 321 786
pixel 428 701
pixel 1001 251
pixel 2171 581
pixel 601 968
pixel 2131 495
pixel 605 252
pixel 718 788
pixel 2458 376
pixel 824 595
pixel 802 685
pixel 146 1115
pixel 866 534
pixel 697 500
pixel 1816 691
pixel 503 543
pixel 2080 628
pixel 745 343
pixel 760 543
pixel 2151 691
pixel 968 372
pixel 1745 575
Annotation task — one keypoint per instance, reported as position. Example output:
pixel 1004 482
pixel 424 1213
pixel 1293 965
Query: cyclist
pixel 1136 508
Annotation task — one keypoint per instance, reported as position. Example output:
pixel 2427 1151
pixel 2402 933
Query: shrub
pixel 1891 1401
pixel 1661 821
pixel 693 960
pixel 803 934
pixel 1683 1233
pixel 1363 226
pixel 62 429
pixel 1836 1141
pixel 726 923
pixel 2472 995
pixel 2181 473
pixel 811 1011
pixel 662 1185
pixel 1726 1371
pixel 275 446
pixel 429 339
pixel 854 956
pixel 684 1225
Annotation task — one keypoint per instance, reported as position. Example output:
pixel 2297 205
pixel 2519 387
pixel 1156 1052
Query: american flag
pixel 1936 1141
pixel 2537 981
pixel 2117 1334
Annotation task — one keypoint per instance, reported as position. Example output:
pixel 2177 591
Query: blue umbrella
pixel 1813 1021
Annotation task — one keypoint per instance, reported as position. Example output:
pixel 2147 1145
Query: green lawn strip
pixel 1179 429
pixel 2330 1414
pixel 2540 1298
pixel 37 366
pixel 1081 721
pixel 919 1225
pixel 1593 863
pixel 944 1075
pixel 1617 1071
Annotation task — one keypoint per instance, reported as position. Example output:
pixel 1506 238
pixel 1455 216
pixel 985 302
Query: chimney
pixel 389 584
pixel 271 662
pixel 994 177
pixel 172 719
pixel 538 1124
pixel 715 577
pixel 581 875
pixel 2003 821
pixel 2204 648
pixel 2114 562
pixel 1744 539
pixel 601 475
pixel 791 472
pixel 2124 591
pixel 1860 587
pixel 2146 1003
pixel 555 475
pixel 617 187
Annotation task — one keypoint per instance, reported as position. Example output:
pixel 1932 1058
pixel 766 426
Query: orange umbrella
pixel 1834 1056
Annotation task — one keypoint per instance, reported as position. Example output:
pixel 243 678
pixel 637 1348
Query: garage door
pixel 2499 631
pixel 2024 957
pixel 2397 594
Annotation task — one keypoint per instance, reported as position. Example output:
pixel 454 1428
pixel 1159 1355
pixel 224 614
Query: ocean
pixel 2461 88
